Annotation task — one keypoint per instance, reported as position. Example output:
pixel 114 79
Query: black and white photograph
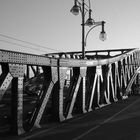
pixel 69 70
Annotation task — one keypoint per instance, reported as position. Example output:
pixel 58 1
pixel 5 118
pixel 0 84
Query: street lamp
pixel 84 8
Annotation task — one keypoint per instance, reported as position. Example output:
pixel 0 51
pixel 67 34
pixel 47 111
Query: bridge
pixel 36 90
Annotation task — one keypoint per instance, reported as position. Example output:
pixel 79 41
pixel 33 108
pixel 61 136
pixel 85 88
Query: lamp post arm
pixel 97 24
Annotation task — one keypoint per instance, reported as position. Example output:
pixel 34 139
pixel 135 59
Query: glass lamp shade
pixel 103 36
pixel 89 22
pixel 75 10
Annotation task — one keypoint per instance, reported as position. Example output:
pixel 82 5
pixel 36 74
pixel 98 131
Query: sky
pixel 47 26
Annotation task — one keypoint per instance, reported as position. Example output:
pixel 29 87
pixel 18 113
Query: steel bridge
pixel 62 85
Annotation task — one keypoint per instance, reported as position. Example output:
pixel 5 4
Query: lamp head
pixel 90 21
pixel 103 33
pixel 75 9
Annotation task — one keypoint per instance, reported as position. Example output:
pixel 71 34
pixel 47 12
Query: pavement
pixel 117 121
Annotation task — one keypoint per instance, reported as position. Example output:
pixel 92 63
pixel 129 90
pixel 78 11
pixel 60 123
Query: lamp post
pixel 84 8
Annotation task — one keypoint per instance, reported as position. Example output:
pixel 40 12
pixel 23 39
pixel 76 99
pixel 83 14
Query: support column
pixel 17 72
pixel 83 71
pixel 62 76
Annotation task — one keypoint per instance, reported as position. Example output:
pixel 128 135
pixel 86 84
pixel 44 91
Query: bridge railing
pixel 63 87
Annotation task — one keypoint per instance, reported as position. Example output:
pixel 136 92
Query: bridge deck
pixel 117 121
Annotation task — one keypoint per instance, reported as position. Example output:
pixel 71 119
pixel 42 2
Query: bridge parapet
pixel 64 85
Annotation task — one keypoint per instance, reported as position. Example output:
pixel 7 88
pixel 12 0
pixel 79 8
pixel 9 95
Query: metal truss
pixel 63 87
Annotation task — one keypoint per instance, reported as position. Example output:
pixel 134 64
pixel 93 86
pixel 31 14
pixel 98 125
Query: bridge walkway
pixel 117 121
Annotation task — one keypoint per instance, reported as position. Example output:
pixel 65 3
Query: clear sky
pixel 50 24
